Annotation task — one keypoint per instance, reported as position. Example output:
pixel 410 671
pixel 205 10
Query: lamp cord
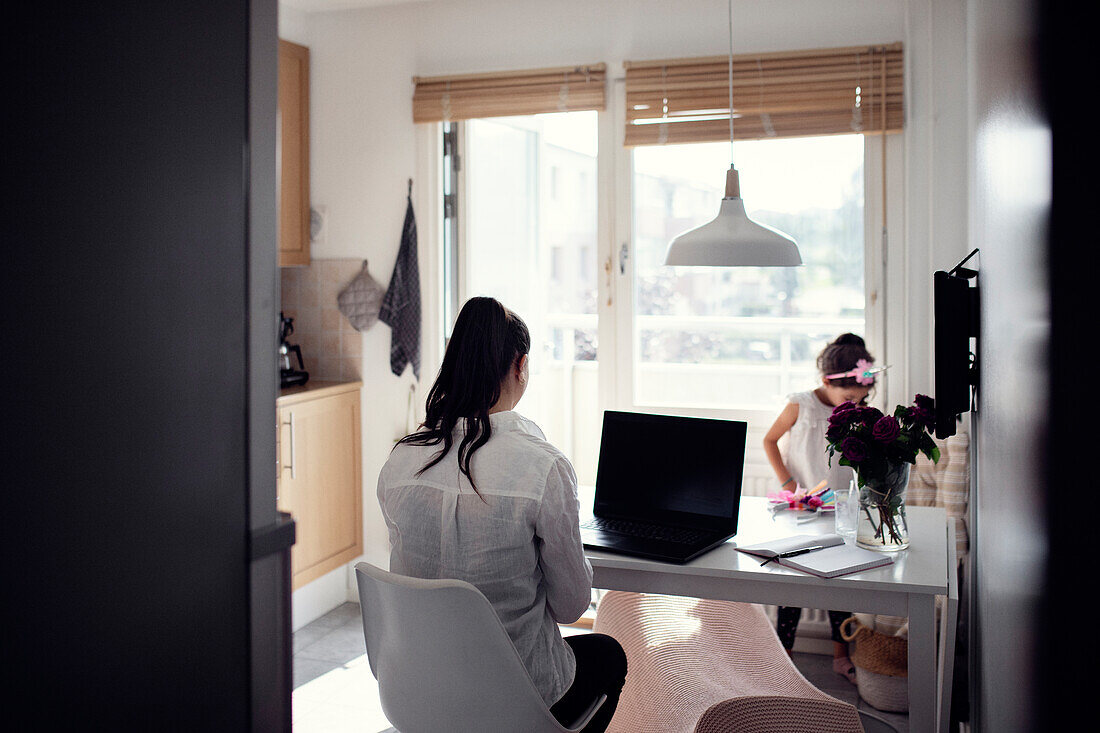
pixel 730 8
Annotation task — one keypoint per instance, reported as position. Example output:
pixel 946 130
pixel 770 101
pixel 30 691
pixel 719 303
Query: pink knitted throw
pixel 710 667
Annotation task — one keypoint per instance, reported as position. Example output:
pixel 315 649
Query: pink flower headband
pixel 864 372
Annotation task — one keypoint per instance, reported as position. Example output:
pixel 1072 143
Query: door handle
pixel 293 463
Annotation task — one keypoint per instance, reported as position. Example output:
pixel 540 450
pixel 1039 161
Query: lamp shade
pixel 732 239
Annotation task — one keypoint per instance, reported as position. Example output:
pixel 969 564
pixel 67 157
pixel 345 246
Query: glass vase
pixel 882 524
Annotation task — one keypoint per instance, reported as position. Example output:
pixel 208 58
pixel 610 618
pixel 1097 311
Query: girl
pixel 846 376
pixel 500 511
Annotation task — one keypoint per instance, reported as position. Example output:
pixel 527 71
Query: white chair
pixel 444 662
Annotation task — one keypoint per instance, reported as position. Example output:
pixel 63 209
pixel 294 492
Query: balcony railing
pixel 782 331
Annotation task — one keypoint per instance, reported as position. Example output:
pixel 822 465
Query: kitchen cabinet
pixel 320 475
pixel 293 154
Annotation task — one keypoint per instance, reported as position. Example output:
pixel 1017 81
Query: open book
pixel 824 555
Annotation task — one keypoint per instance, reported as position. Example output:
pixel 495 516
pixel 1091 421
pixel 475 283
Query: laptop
pixel 667 487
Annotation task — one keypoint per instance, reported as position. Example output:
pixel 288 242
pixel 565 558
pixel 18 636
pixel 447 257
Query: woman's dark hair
pixel 840 356
pixel 485 344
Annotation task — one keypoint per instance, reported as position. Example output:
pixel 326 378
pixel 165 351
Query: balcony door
pixel 528 237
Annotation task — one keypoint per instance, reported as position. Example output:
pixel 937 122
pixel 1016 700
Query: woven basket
pixel 882 666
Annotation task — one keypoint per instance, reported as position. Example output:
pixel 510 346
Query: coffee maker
pixel 288 376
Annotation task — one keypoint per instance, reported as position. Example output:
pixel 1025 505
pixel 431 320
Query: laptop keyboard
pixel 646 530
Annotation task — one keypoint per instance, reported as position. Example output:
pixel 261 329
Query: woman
pixel 499 510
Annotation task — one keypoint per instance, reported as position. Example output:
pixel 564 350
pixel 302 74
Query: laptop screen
pixel 670 469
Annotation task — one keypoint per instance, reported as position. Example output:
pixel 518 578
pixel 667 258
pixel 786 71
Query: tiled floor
pixel 334 690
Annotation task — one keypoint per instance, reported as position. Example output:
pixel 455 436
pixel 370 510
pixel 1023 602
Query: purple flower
pixel 930 421
pixel 922 417
pixel 869 415
pixel 843 413
pixel 923 412
pixel 853 449
pixel 886 429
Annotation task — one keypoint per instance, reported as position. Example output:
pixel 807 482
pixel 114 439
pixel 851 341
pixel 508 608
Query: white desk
pixel 908 587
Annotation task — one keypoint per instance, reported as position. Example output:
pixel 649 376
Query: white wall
pixel 936 172
pixel 293 24
pixel 364 146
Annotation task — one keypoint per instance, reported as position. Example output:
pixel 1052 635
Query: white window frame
pixel 620 373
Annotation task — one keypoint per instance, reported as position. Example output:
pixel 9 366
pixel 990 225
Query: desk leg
pixel 922 663
pixel 948 623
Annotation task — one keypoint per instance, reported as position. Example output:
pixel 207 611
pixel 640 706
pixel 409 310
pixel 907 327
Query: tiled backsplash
pixel 331 347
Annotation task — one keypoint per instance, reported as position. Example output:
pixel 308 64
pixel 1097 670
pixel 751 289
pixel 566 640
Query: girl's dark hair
pixel 486 341
pixel 840 356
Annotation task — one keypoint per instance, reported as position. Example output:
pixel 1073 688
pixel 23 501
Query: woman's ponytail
pixel 485 343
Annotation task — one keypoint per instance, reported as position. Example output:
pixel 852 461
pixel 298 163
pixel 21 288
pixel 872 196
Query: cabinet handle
pixel 292 461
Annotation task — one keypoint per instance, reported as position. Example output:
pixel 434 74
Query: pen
pixel 792 553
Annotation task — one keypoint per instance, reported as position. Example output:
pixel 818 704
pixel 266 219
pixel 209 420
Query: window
pixel 735 341
pixel 743 338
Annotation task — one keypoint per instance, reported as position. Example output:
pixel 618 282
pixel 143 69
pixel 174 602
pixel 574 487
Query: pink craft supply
pixel 820 500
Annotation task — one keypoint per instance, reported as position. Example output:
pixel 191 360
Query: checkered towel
pixel 401 306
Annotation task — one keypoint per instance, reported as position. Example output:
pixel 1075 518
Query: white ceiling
pixel 314 6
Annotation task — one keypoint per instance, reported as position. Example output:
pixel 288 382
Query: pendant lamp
pixel 732 239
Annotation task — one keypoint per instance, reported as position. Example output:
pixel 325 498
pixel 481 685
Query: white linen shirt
pixel 519 542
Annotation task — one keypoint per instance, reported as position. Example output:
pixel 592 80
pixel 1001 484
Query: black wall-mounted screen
pixel 955 318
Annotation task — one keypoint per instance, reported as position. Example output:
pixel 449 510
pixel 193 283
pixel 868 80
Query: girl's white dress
pixel 804 451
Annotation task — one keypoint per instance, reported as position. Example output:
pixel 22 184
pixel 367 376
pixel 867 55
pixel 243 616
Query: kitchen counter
pixel 312 390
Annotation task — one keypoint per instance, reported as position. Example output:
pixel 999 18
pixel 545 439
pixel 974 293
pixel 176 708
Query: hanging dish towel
pixel 401 306
pixel 361 300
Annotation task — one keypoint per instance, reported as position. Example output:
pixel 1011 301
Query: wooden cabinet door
pixel 293 154
pixel 321 482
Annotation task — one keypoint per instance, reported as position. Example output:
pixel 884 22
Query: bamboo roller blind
pixel 565 89
pixel 785 94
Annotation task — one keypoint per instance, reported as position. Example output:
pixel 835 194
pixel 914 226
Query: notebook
pixel 667 487
pixel 828 555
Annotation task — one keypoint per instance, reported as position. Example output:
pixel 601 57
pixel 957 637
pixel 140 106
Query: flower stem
pixel 878 530
pixel 888 523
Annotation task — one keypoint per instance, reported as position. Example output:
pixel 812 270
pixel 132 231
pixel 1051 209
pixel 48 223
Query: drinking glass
pixel 847 511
